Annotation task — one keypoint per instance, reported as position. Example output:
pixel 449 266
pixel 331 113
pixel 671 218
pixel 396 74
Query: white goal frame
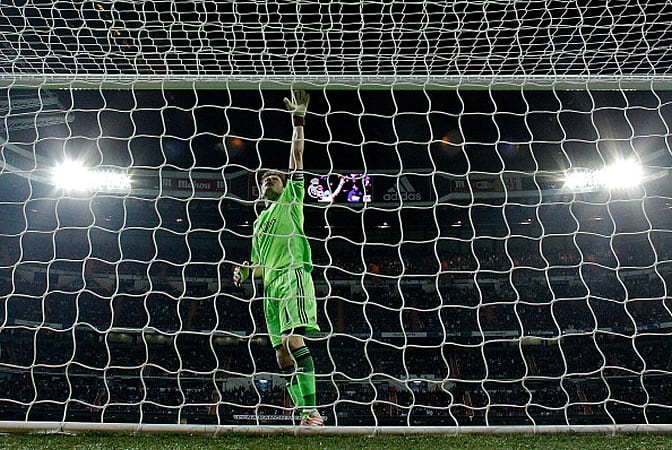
pixel 434 50
pixel 465 82
pixel 348 83
pixel 219 430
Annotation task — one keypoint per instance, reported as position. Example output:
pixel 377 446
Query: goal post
pixel 505 264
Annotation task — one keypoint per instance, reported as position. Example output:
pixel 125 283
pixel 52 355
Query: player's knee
pixel 292 342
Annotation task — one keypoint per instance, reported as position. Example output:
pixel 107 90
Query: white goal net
pixel 505 259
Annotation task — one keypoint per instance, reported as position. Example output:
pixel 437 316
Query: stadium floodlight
pixel 74 176
pixel 579 180
pixel 619 175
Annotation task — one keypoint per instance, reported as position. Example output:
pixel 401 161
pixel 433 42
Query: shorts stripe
pixel 301 300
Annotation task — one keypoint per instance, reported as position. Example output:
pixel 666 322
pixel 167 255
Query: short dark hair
pixel 267 173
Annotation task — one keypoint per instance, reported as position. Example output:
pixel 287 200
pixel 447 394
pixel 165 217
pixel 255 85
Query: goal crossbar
pixel 467 82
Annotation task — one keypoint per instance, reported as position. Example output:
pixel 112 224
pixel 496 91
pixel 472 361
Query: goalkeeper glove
pixel 298 106
pixel 241 273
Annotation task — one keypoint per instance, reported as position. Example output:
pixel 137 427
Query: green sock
pixel 305 376
pixel 292 385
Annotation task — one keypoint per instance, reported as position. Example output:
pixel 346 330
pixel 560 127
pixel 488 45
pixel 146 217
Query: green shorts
pixel 289 303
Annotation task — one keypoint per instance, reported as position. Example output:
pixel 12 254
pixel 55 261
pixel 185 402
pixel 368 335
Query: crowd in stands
pixel 359 382
pixel 470 337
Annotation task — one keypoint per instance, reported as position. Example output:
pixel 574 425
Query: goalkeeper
pixel 281 256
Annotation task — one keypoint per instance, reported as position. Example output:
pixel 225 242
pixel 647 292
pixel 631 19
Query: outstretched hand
pixel 298 105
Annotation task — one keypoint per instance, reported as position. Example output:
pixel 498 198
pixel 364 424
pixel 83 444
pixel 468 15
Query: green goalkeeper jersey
pixel 279 242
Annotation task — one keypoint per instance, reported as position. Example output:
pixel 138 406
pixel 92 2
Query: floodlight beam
pixel 74 176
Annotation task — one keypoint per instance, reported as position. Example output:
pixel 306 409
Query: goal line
pixel 219 430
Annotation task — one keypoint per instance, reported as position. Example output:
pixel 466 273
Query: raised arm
pixel 298 106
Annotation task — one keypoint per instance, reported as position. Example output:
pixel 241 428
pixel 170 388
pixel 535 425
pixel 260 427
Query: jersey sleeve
pixel 295 190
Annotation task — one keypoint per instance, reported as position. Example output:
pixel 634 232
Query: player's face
pixel 271 186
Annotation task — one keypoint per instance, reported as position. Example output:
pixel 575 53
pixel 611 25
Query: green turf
pixel 238 441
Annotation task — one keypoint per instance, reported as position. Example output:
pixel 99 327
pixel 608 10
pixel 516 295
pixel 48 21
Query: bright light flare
pixel 580 179
pixel 620 175
pixel 73 176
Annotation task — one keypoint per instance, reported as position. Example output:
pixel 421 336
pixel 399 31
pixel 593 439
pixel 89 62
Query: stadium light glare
pixel 622 174
pixel 580 179
pixel 69 175
pixel 74 176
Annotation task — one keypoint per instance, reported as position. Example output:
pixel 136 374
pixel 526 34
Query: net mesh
pixel 472 287
pixel 315 38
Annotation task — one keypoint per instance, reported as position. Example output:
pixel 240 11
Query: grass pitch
pixel 245 441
